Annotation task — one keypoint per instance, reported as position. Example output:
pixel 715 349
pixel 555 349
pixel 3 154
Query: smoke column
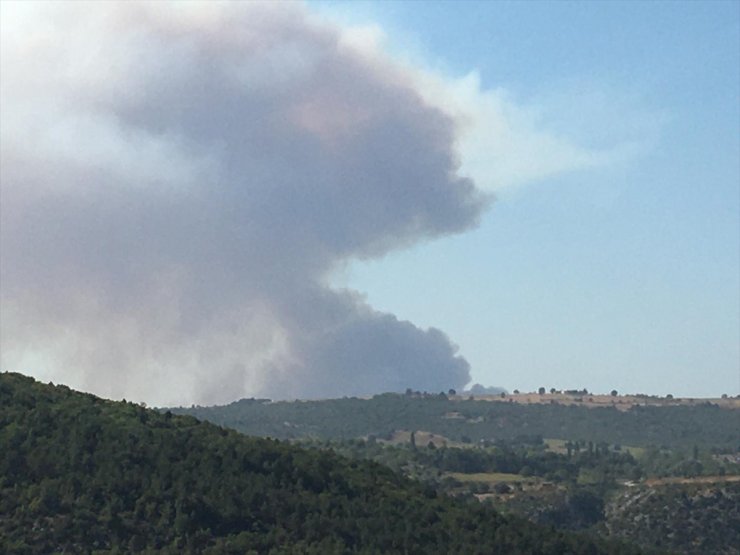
pixel 179 181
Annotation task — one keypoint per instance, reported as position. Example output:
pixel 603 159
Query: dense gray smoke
pixel 180 181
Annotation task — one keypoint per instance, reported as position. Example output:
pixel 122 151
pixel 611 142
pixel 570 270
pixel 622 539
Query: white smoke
pixel 179 181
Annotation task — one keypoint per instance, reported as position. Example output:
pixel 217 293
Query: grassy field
pixel 490 477
pixel 556 445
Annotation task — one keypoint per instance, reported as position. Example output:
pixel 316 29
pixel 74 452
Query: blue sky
pixel 624 274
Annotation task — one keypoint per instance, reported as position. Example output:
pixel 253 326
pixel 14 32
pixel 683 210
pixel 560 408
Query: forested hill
pixel 703 425
pixel 80 474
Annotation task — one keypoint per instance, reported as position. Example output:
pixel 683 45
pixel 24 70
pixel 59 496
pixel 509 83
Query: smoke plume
pixel 179 182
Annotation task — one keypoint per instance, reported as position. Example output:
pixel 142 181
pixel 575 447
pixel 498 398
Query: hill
pixel 680 426
pixel 692 516
pixel 596 463
pixel 80 474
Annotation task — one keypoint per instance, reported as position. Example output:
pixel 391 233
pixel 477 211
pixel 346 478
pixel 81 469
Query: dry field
pixel 620 402
pixel 696 480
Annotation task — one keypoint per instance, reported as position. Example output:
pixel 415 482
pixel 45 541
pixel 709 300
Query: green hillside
pixel 683 427
pixel 79 474
pixel 696 518
pixel 587 468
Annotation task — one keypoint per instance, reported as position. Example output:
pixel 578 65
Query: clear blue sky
pixel 625 275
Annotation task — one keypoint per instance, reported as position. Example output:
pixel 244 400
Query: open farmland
pixel 590 400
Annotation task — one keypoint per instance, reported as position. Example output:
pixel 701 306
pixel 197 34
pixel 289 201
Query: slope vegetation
pixel 704 424
pixel 79 474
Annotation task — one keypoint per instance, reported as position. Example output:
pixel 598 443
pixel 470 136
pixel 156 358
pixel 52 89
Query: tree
pixel 501 488
pixel 541 391
pixel 614 393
